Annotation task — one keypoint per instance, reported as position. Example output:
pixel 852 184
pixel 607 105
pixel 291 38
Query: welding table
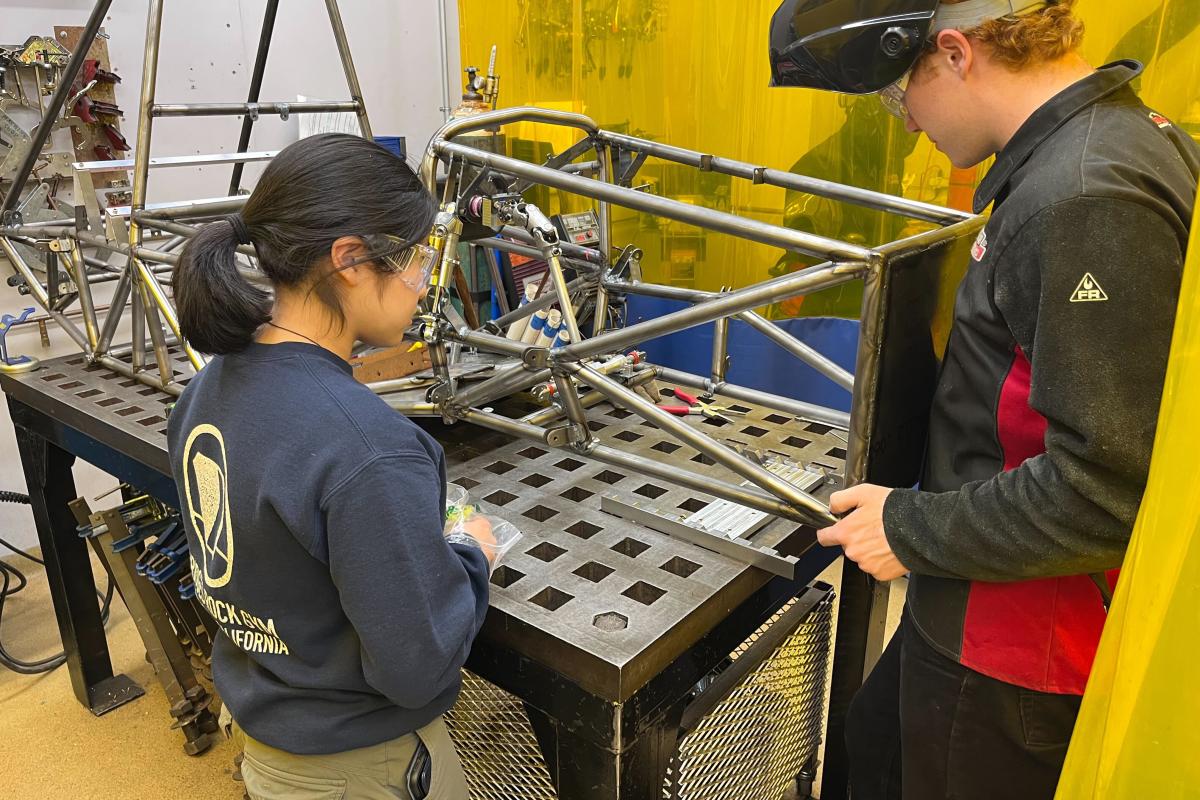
pixel 600 626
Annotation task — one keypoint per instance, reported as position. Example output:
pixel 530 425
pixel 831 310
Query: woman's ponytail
pixel 219 309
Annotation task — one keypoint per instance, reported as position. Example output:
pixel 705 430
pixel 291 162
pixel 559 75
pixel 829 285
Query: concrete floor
pixel 51 747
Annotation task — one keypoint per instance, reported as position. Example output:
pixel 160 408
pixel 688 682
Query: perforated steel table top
pixel 605 602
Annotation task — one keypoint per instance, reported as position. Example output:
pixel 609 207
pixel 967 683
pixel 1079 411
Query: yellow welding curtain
pixel 694 73
pixel 1137 735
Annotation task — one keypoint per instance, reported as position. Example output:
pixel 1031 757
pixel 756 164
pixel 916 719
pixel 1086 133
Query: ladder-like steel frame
pixel 138 285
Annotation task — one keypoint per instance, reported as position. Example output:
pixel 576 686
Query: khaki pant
pixel 380 771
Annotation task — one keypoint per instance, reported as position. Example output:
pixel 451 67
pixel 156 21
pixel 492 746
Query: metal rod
pixel 159 297
pixel 588 400
pixel 182 229
pixel 750 229
pixel 604 154
pixel 743 495
pixel 492 344
pixel 138 326
pixel 542 301
pixel 141 156
pixel 116 307
pixel 162 354
pixel 514 379
pixel 570 249
pixel 410 409
pixel 256 77
pixel 819 277
pixel 211 207
pixel 815 359
pixel 788 180
pixel 554 262
pixel 503 424
pixel 532 252
pixel 828 416
pixel 236 109
pixel 87 308
pixel 491 119
pixel 343 46
pixel 176 161
pixel 66 79
pixel 39 294
pixel 720 351
pixel 568 394
pixel 121 367
pixel 816 512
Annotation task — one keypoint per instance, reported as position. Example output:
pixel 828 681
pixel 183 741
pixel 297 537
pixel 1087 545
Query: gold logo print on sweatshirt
pixel 206 487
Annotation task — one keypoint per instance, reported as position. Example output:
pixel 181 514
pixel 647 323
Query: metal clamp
pixel 252 111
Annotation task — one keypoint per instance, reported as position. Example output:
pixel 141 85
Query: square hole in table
pixel 569 464
pixel 540 513
pixel 620 413
pixel 506 576
pixel 500 498
pixel 89 393
pixel 650 490
pixel 680 566
pixel 551 599
pixel 535 480
pixel 109 401
pixel 817 428
pixel 533 452
pixel 644 593
pixel 740 409
pixel 753 430
pixel 628 436
pixel 836 452
pixel 594 426
pixel 125 412
pixel 692 504
pixel 148 421
pixel 594 571
pixel 666 447
pixel 576 494
pixel 701 458
pixel 546 551
pixel 776 419
pixel 70 385
pixel 796 441
pixel 584 529
pixel 609 477
pixel 466 483
pixel 500 467
pixel 631 547
pixel 717 421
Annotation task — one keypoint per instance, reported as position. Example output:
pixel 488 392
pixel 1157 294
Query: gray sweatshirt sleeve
pixel 1097 378
pixel 415 601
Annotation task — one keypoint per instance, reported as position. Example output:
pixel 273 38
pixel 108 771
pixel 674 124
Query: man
pixel 1044 417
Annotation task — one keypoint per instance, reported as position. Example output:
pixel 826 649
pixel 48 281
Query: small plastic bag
pixel 458 504
pixel 462 515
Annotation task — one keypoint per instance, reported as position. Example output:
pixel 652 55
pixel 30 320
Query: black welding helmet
pixel 864 46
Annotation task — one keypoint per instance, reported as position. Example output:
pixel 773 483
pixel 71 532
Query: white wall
pixel 206 55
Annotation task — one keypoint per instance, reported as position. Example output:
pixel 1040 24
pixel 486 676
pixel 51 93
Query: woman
pixel 314 512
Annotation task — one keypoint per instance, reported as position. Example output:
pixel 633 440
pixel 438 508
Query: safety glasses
pixel 892 98
pixel 418 256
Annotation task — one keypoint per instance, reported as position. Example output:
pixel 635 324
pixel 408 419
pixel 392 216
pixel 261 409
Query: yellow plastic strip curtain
pixel 1138 734
pixel 694 73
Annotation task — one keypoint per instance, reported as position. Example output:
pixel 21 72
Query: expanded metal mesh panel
pixel 753 743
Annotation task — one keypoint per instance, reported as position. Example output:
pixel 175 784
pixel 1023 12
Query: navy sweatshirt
pixel 314 514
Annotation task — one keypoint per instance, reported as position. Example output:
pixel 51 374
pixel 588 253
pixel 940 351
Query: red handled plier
pixel 697 406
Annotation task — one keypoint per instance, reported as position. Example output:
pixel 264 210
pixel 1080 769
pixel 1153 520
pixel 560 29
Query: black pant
pixel 924 727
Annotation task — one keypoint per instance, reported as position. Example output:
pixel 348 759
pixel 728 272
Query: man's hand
pixel 480 529
pixel 860 535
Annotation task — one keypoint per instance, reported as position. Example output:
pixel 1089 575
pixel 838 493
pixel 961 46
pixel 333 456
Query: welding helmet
pixel 865 46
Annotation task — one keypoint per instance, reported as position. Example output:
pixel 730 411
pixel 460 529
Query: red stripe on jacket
pixel 1040 634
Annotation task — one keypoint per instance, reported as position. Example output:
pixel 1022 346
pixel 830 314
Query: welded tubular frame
pixel 343 47
pixel 256 77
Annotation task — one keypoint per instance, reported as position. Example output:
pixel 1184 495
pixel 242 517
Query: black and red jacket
pixel 1046 407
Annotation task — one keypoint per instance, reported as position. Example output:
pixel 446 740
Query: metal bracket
pixel 252 111
pixel 673 525
pixel 536 358
pixel 284 111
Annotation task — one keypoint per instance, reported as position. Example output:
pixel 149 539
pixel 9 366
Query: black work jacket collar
pixel 1042 124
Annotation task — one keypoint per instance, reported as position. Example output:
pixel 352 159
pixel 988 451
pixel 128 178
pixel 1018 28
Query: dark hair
pixel 313 192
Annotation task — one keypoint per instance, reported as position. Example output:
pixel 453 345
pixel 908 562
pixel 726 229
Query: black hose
pixel 10 573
